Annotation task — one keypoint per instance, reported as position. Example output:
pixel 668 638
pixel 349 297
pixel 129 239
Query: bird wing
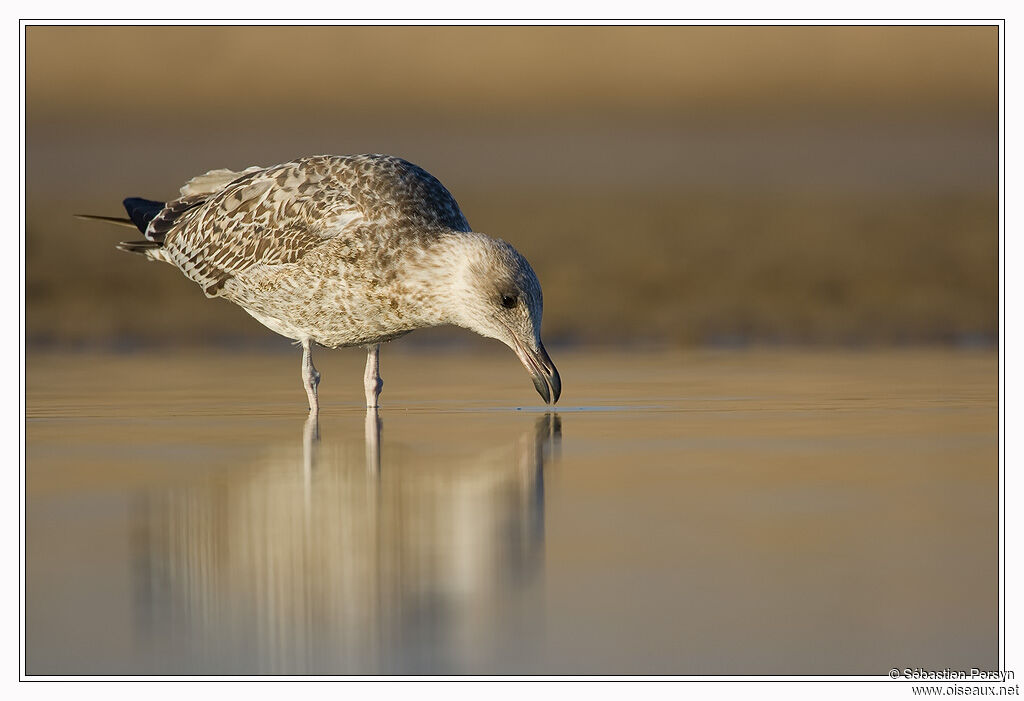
pixel 227 222
pixel 213 181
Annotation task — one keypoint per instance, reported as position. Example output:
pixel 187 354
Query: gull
pixel 344 251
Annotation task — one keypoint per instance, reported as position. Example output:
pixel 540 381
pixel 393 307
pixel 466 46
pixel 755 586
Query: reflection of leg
pixel 372 441
pixel 310 439
pixel 310 378
pixel 371 378
pixel 310 433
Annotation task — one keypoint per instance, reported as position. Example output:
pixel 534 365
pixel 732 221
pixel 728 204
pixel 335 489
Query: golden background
pixel 688 185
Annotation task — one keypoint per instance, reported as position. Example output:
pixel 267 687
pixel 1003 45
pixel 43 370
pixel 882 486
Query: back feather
pixel 213 181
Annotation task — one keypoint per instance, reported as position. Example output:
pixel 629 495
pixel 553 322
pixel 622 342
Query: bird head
pixel 500 297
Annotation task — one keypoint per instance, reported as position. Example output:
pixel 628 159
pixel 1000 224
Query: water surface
pixel 686 513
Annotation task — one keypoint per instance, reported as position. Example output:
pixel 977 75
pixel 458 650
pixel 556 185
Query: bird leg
pixel 371 378
pixel 310 377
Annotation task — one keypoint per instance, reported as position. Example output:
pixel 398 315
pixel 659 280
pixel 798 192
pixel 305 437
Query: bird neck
pixel 440 273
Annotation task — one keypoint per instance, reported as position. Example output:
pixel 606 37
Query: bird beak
pixel 542 370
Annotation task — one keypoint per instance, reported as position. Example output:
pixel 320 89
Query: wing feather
pixel 228 222
pixel 213 181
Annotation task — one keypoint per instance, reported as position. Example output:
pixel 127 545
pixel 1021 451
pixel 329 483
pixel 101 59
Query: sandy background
pixel 681 185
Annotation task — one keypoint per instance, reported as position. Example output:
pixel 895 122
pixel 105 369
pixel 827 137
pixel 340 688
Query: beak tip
pixel 543 372
pixel 549 386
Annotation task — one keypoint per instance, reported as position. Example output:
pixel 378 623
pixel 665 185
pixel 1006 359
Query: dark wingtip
pixel 142 211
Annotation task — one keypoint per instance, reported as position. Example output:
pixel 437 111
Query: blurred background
pixel 714 186
pixel 802 507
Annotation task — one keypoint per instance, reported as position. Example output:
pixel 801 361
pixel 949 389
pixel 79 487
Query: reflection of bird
pixel 346 251
pixel 430 564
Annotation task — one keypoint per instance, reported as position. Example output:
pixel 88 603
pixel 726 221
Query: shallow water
pixel 693 513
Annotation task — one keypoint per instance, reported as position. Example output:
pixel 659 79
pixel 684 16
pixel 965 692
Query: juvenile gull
pixel 346 251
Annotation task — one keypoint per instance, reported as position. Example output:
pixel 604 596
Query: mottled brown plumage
pixel 346 251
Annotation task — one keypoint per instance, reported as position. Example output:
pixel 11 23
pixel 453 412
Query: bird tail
pixel 140 213
pixel 120 221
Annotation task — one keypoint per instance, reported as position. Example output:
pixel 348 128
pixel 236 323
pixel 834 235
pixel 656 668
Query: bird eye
pixel 508 301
